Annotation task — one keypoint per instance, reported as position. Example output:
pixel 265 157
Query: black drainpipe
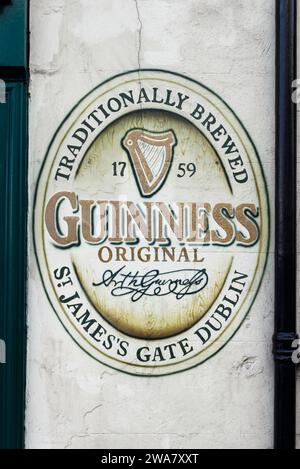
pixel 285 226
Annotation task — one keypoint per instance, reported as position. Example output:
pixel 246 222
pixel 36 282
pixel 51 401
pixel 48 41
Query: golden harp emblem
pixel 151 155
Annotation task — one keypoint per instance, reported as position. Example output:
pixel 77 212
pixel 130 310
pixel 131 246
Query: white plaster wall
pixel 72 400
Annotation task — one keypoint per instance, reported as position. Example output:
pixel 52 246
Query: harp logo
pixel 151 155
pixel 151 223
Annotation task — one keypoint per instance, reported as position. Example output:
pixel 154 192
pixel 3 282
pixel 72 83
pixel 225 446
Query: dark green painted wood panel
pixel 13 33
pixel 13 213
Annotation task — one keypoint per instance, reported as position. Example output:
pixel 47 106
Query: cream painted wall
pixel 73 401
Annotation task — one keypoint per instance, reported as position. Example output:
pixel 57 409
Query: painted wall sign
pixel 151 223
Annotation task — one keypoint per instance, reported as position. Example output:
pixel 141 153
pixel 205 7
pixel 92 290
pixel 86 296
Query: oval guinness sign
pixel 151 223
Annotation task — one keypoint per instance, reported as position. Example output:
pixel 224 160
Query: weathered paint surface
pixel 72 400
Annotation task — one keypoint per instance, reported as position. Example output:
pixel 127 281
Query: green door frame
pixel 13 225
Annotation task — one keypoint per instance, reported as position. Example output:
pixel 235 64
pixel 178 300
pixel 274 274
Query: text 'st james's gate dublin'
pixel 151 223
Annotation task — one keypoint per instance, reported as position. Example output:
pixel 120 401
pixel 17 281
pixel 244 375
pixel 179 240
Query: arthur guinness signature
pixel 154 283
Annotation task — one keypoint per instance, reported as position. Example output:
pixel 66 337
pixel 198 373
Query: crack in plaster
pixel 170 434
pixel 140 28
pixel 88 412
